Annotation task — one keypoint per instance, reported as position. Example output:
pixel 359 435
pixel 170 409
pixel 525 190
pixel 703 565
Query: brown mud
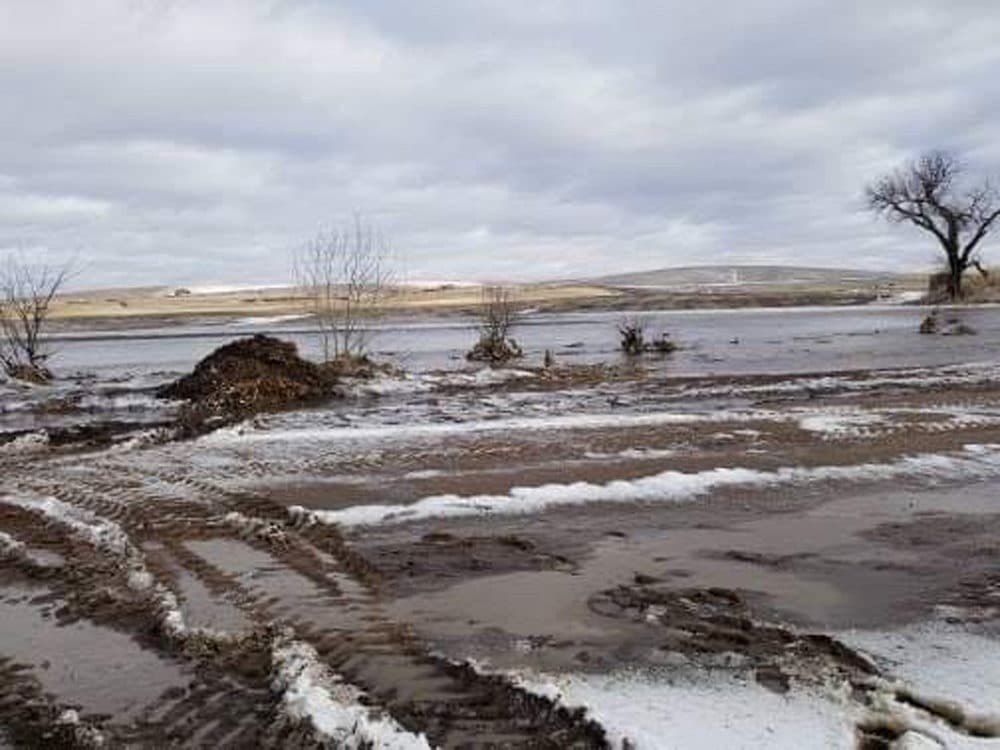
pixel 244 378
pixel 756 577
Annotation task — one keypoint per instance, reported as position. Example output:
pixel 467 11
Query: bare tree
pixel 928 195
pixel 346 274
pixel 26 293
pixel 497 318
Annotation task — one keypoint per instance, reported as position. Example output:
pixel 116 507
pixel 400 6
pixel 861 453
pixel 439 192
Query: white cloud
pixel 489 138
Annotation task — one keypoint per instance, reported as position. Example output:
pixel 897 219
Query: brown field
pixel 161 302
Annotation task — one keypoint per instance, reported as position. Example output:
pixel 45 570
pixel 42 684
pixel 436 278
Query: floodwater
pixel 779 340
pixel 752 531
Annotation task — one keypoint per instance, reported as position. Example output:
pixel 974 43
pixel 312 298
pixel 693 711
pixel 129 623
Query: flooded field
pixel 784 535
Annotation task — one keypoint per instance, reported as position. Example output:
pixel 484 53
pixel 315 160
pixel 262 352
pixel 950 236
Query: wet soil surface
pixel 550 523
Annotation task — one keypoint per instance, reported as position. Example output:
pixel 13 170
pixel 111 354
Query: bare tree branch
pixel 26 294
pixel 925 194
pixel 498 315
pixel 345 273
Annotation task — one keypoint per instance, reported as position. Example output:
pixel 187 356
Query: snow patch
pixel 632 453
pixel 141 439
pixel 969 374
pixel 248 432
pixel 101 533
pixel 269 319
pixel 649 710
pixel 123 402
pixel 937 659
pixel 231 288
pixel 667 486
pixel 256 528
pixel 27 443
pixel 109 537
pixel 10 548
pixel 386 385
pixel 840 423
pixel 336 710
pixel 85 734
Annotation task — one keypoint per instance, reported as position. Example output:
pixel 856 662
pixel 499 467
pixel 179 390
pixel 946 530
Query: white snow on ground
pixel 9 546
pixel 231 288
pixel 388 385
pixel 311 692
pixel 661 711
pixel 256 527
pixel 939 660
pixel 248 433
pixel 109 537
pixel 141 439
pixel 269 320
pixel 124 402
pixel 28 443
pixel 668 486
pixel 9 405
pixel 84 733
pixel 99 532
pixel 13 549
pixel 941 665
pixel 839 423
pixel 831 422
pixel 903 298
pixel 968 374
pixel 632 453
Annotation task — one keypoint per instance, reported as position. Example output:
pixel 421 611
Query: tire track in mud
pixel 343 621
pixel 193 526
pixel 326 594
pixel 104 644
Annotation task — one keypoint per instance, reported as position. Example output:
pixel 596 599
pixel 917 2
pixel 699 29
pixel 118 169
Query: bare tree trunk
pixel 955 284
pixel 954 278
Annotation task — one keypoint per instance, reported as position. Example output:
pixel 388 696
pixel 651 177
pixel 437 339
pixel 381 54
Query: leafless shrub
pixel 497 318
pixel 633 337
pixel 346 273
pixel 633 341
pixel 26 293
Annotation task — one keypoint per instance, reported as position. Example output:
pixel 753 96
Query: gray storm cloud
pixel 166 142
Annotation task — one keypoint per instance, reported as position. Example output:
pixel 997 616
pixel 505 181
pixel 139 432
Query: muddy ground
pixel 386 573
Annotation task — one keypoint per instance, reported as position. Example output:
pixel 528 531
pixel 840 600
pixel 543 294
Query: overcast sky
pixel 177 142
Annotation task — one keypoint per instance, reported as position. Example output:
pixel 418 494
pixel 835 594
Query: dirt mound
pixel 247 377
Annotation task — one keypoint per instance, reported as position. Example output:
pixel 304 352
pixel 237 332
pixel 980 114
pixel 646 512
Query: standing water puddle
pixel 96 669
pixel 201 608
pixel 288 594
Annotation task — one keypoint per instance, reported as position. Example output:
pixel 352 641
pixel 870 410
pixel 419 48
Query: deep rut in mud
pixel 237 580
pixel 164 594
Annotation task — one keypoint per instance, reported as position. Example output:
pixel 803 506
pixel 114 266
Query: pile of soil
pixel 247 377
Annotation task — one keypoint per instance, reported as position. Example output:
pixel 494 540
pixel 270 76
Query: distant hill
pixel 744 276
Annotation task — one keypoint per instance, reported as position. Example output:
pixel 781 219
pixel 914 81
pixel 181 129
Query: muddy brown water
pixel 392 607
pixel 840 563
pixel 94 669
